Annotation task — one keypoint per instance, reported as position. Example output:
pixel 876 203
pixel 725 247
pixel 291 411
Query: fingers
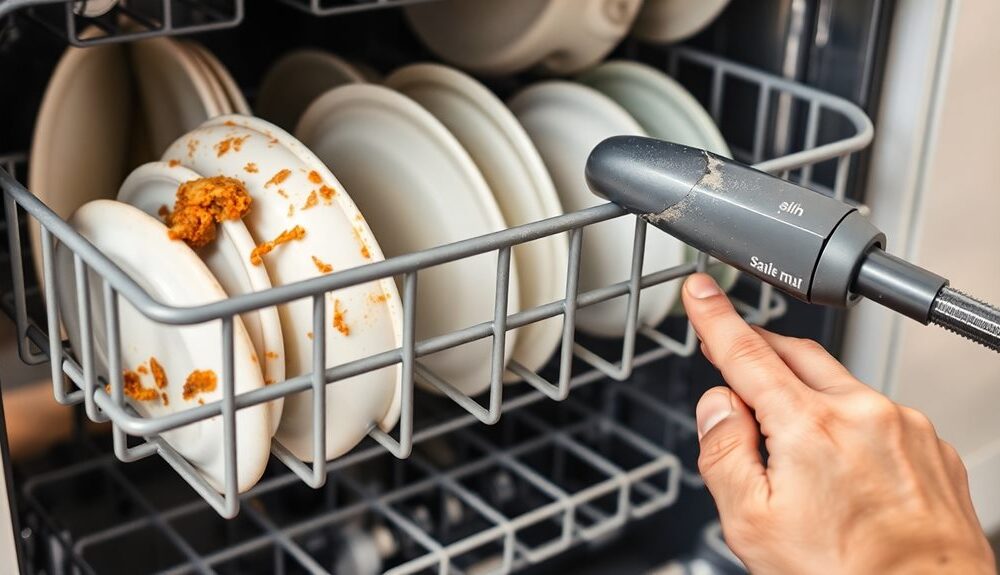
pixel 810 362
pixel 746 361
pixel 730 461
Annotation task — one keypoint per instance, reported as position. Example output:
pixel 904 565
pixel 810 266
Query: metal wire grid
pixel 127 21
pixel 484 500
pixel 102 406
pixel 334 7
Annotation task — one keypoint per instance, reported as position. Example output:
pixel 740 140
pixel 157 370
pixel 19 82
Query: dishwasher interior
pixel 588 466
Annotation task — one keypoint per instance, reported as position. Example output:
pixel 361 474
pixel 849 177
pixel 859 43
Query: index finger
pixel 750 366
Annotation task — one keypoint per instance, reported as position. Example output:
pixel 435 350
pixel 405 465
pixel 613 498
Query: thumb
pixel 730 460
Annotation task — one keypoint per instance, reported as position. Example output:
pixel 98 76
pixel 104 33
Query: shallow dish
pixel 488 37
pixel 419 189
pixel 88 100
pixel 237 101
pixel 666 110
pixel 565 121
pixel 514 171
pixel 151 187
pixel 176 95
pixel 669 21
pixel 298 78
pixel 172 273
pixel 291 187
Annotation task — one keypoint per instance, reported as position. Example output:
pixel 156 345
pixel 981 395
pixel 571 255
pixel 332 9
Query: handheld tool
pixel 810 246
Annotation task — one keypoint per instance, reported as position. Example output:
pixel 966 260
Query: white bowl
pixel 502 151
pixel 669 21
pixel 566 120
pixel 171 272
pixel 494 37
pixel 336 235
pixel 298 78
pixel 419 189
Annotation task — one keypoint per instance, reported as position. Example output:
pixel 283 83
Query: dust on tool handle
pixel 808 245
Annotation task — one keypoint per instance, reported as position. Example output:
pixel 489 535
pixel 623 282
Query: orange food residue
pixel 271 355
pixel 315 177
pixel 165 398
pixel 192 147
pixel 159 376
pixel 251 168
pixel 142 369
pixel 235 143
pixel 309 334
pixel 380 298
pixel 282 193
pixel 327 193
pixel 323 267
pixel 200 381
pixel 365 253
pixel 258 253
pixel 133 387
pixel 229 123
pixel 338 319
pixel 164 212
pixel 203 203
pixel 174 163
pixel 276 179
pixel 311 201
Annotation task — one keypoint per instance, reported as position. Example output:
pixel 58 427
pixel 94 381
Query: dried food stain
pixel 311 201
pixel 315 178
pixel 338 319
pixel 271 355
pixel 133 387
pixel 276 179
pixel 258 253
pixel 200 381
pixel 159 376
pixel 174 163
pixel 378 298
pixel 142 369
pixel 192 146
pixel 234 143
pixel 203 203
pixel 251 168
pixel 321 266
pixel 365 252
pixel 326 193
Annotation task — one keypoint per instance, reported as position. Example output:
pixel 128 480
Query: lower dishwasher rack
pixel 526 452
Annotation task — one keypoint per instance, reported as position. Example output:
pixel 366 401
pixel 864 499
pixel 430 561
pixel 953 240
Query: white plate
pixel 487 36
pixel 176 97
pixel 172 273
pixel 669 21
pixel 298 78
pixel 207 76
pixel 153 185
pixel 517 177
pixel 666 110
pixel 80 144
pixel 237 101
pixel 419 189
pixel 336 235
pixel 566 121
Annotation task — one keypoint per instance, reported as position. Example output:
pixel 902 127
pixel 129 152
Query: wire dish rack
pixel 634 478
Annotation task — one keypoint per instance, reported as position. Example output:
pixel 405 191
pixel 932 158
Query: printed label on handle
pixel 771 269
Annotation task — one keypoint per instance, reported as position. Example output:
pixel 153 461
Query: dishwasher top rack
pixel 40 343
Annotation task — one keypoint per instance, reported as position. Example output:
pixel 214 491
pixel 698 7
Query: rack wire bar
pixel 89 378
pixel 128 21
pixel 335 7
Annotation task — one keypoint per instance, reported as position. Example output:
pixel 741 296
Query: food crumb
pixel 229 123
pixel 159 376
pixel 192 147
pixel 133 387
pixel 309 335
pixel 165 398
pixel 200 381
pixel 174 163
pixel 268 381
pixel 251 168
pixel 338 319
pixel 327 193
pixel 379 298
pixel 282 193
pixel 201 401
pixel 142 369
pixel 258 253
pixel 201 204
pixel 254 358
pixel 276 179
pixel 235 143
pixel 323 267
pixel 311 201
pixel 315 178
pixel 271 355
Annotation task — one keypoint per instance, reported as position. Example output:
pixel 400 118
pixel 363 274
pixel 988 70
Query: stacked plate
pixel 428 156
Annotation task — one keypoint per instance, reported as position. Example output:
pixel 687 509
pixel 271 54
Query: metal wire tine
pixel 17 279
pixel 404 446
pixel 812 128
pixel 86 350
pixel 840 181
pixel 319 391
pixel 760 121
pixel 623 370
pixel 118 436
pixel 231 504
pixel 499 333
pixel 718 85
pixel 52 318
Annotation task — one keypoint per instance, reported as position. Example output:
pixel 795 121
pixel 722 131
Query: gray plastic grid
pixel 474 475
pixel 102 406
pixel 129 21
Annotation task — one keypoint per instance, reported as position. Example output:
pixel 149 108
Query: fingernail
pixel 714 406
pixel 702 286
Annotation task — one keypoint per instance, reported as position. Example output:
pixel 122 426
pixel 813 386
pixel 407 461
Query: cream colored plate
pixel 282 176
pixel 669 21
pixel 152 186
pixel 294 81
pixel 419 189
pixel 517 177
pixel 237 101
pixel 172 273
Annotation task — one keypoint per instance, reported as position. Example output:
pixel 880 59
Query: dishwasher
pixel 589 465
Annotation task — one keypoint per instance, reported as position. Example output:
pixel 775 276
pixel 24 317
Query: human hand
pixel 853 483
